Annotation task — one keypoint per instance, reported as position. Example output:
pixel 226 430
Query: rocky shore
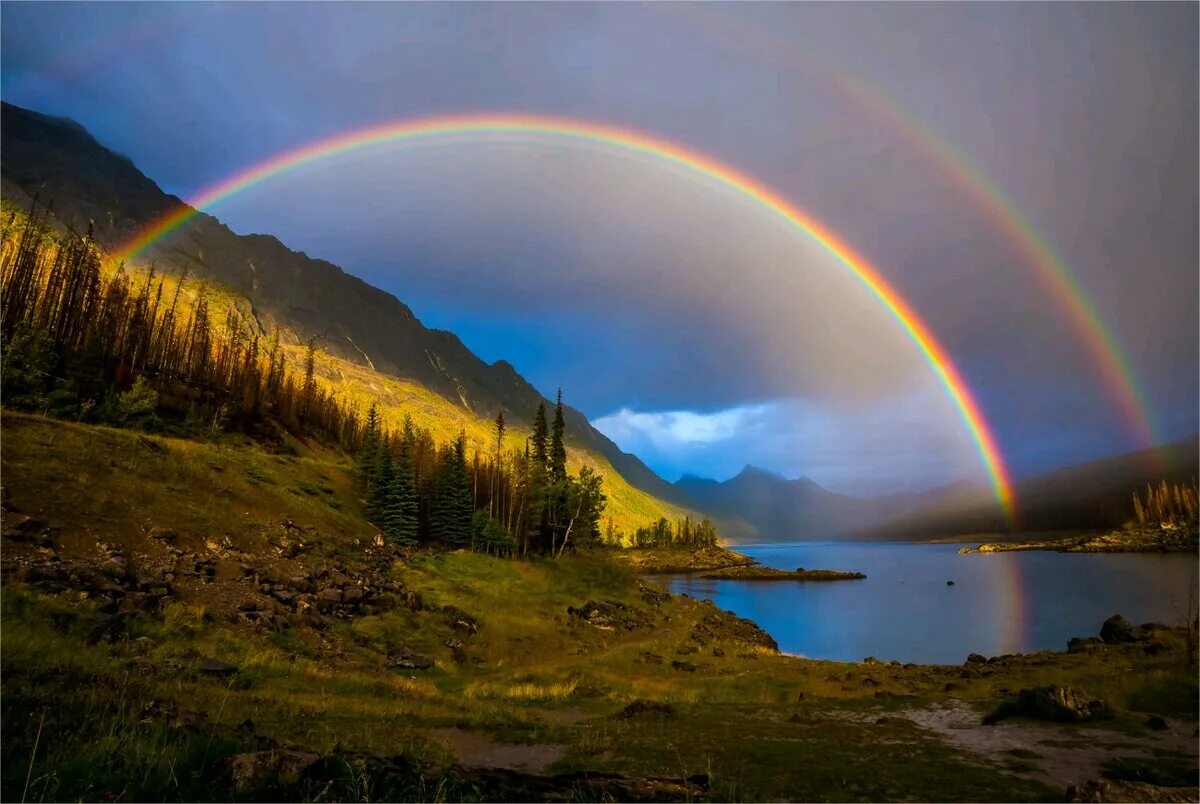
pixel 668 560
pixel 1131 539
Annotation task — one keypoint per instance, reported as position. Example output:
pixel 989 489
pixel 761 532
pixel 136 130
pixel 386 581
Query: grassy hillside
pixel 168 634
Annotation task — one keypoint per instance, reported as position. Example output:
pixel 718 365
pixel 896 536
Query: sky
pixel 692 327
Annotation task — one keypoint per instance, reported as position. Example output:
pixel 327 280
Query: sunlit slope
pixel 287 293
pixel 395 398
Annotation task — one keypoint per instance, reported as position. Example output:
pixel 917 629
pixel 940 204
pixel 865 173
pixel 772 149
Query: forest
pixel 103 346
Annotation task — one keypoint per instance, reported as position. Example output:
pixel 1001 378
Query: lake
pixel 1014 602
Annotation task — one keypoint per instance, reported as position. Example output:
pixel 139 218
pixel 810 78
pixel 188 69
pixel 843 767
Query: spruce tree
pixel 399 515
pixel 450 517
pixel 558 449
pixel 378 503
pixel 370 446
pixel 540 439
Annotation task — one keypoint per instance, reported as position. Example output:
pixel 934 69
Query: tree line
pixel 99 348
pixel 505 501
pixel 683 533
pixel 114 348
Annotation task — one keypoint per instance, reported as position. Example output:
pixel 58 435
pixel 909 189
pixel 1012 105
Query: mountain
pixel 779 509
pixel 287 291
pixel 1093 495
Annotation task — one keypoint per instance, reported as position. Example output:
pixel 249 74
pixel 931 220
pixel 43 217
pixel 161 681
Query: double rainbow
pixel 633 142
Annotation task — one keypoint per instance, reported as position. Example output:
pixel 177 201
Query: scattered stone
pixel 608 615
pixel 641 707
pixel 262 769
pixel 1105 791
pixel 460 621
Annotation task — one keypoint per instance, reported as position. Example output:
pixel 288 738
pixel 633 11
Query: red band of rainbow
pixel 642 144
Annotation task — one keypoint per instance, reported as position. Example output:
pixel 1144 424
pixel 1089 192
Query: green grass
pixel 112 719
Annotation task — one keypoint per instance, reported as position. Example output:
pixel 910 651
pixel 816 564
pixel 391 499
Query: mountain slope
pixel 784 510
pixel 1093 495
pixel 287 291
pixel 302 296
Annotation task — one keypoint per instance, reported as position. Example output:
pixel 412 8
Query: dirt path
pixel 1065 755
pixel 478 750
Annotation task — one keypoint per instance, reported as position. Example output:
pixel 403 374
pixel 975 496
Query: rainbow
pixel 1116 372
pixel 1114 366
pixel 633 142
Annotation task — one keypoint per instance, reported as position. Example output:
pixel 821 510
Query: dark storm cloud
pixel 1084 115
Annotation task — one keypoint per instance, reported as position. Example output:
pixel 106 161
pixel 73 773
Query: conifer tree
pixel 398 518
pixel 370 446
pixel 540 440
pixel 558 449
pixel 450 517
pixel 378 504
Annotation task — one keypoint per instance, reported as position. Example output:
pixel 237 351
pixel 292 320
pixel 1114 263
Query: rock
pixel 405 658
pixel 216 667
pixel 460 621
pixel 641 707
pixel 609 615
pixel 1157 723
pixel 1117 629
pixel 329 597
pixel 353 595
pixel 975 658
pixel 684 650
pixel 684 667
pixel 1104 791
pixel 264 769
pixel 718 652
pixel 1080 645
pixel 163 535
pixel 1053 703
pixel 646 657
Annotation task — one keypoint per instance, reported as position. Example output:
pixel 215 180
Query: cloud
pixel 910 441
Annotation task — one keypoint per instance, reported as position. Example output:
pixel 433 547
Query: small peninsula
pixel 760 573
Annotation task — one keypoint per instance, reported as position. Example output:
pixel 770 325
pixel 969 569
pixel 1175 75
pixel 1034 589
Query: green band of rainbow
pixel 1110 359
pixel 638 143
pixel 1117 376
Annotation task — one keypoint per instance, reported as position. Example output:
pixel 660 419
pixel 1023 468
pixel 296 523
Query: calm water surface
pixel 904 610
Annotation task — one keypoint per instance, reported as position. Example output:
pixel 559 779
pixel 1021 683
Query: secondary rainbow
pixel 563 129
pixel 1117 375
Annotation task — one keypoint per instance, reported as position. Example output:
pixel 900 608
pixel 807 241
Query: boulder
pixel 975 658
pixel 1053 703
pixel 405 658
pixel 1117 629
